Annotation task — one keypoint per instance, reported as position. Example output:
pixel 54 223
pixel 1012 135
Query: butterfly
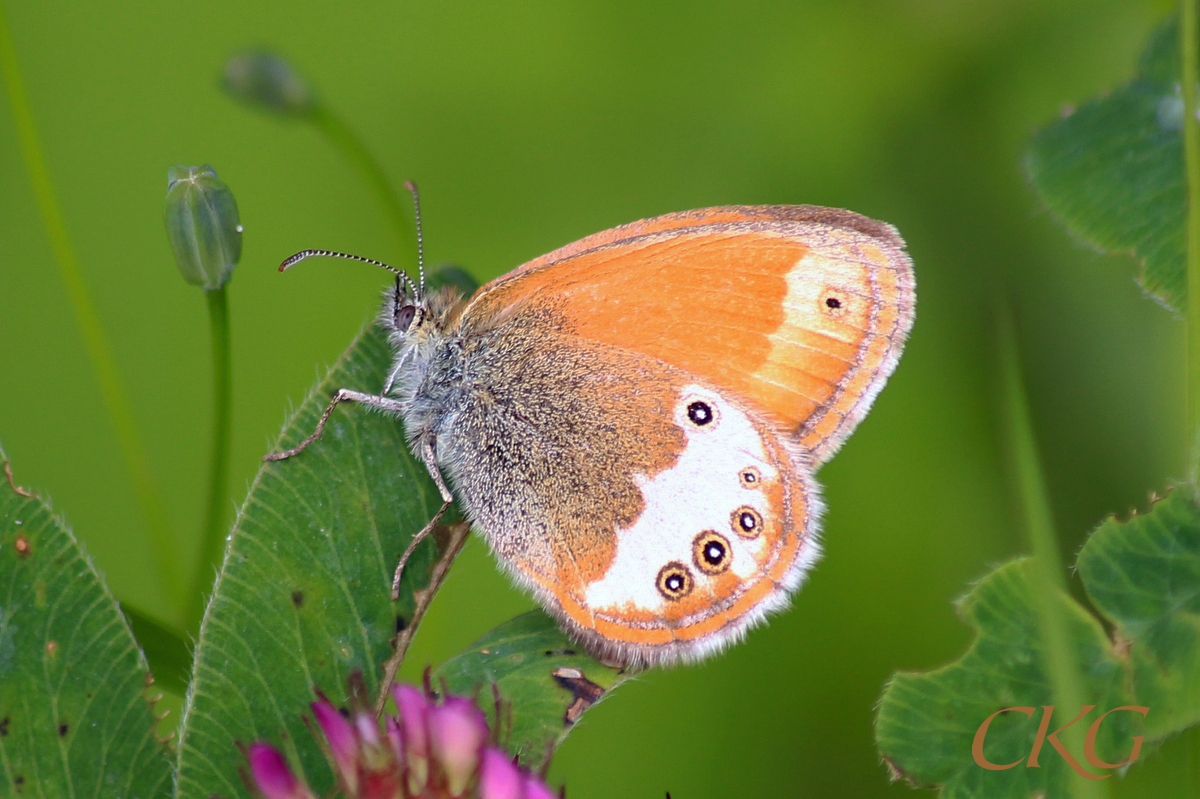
pixel 633 421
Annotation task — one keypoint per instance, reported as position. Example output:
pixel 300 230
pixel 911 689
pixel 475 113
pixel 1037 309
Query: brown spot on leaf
pixel 4 727
pixel 584 692
pixel 51 648
pixel 63 729
pixel 23 492
pixel 22 546
pixel 297 598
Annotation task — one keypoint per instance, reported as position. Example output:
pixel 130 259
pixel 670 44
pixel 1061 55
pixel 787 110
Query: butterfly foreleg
pixel 430 459
pixel 343 395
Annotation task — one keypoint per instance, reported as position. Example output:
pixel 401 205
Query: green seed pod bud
pixel 202 224
pixel 266 81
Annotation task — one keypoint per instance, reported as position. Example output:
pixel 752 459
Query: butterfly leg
pixel 343 395
pixel 427 455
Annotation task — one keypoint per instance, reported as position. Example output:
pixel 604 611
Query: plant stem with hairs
pixel 116 401
pixel 1049 583
pixel 215 513
pixel 1190 65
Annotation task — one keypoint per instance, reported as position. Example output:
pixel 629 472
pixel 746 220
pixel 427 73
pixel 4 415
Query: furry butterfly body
pixel 633 421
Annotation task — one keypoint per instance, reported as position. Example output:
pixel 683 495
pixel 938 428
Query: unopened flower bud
pixel 499 778
pixel 536 789
pixel 266 81
pixel 343 743
pixel 202 224
pixel 414 708
pixel 458 731
pixel 272 776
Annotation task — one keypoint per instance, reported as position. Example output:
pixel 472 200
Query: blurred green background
pixel 528 126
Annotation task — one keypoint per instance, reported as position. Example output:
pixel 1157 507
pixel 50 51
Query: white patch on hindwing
pixel 698 493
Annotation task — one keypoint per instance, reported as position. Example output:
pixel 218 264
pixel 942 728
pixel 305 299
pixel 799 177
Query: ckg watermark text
pixel 1044 736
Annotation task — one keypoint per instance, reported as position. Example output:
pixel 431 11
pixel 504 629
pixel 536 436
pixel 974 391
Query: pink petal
pixel 413 706
pixel 342 741
pixel 536 789
pixel 367 728
pixel 499 778
pixel 457 732
pixel 395 737
pixel 272 775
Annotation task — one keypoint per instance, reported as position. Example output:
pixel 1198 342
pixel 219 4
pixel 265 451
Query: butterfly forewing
pixel 801 310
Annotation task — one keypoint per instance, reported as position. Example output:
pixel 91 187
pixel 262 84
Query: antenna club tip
pixel 283 266
pixel 408 184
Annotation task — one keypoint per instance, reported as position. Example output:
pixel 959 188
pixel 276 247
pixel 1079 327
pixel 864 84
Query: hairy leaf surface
pixel 75 719
pixel 1112 170
pixel 302 599
pixel 543 681
pixel 1143 575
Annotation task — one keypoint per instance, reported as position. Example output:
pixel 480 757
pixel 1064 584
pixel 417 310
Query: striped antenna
pixel 412 189
pixel 300 256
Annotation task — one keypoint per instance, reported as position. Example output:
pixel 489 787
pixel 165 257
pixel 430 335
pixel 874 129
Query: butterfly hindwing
pixel 655 515
pixel 727 532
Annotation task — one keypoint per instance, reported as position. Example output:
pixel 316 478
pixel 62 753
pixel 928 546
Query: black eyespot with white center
pixel 700 413
pixel 746 522
pixel 711 552
pixel 750 477
pixel 675 581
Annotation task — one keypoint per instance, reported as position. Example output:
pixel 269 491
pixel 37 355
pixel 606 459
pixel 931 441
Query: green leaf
pixel 1143 575
pixel 74 715
pixel 1112 170
pixel 927 723
pixel 543 680
pixel 302 599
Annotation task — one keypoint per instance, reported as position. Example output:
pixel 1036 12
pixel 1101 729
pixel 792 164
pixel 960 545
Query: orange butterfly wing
pixel 782 322
pixel 801 310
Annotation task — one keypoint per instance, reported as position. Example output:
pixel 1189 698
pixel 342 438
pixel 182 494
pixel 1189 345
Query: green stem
pixel 1191 149
pixel 212 543
pixel 1050 585
pixel 345 139
pixel 1189 27
pixel 99 353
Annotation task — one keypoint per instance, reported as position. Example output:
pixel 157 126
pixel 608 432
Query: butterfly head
pixel 411 315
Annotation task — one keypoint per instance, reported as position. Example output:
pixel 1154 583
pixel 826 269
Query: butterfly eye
pixel 675 581
pixel 747 522
pixel 711 553
pixel 404 317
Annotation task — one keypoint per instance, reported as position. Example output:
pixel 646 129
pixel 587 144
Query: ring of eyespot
pixel 701 413
pixel 750 477
pixel 746 522
pixel 674 581
pixel 711 552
